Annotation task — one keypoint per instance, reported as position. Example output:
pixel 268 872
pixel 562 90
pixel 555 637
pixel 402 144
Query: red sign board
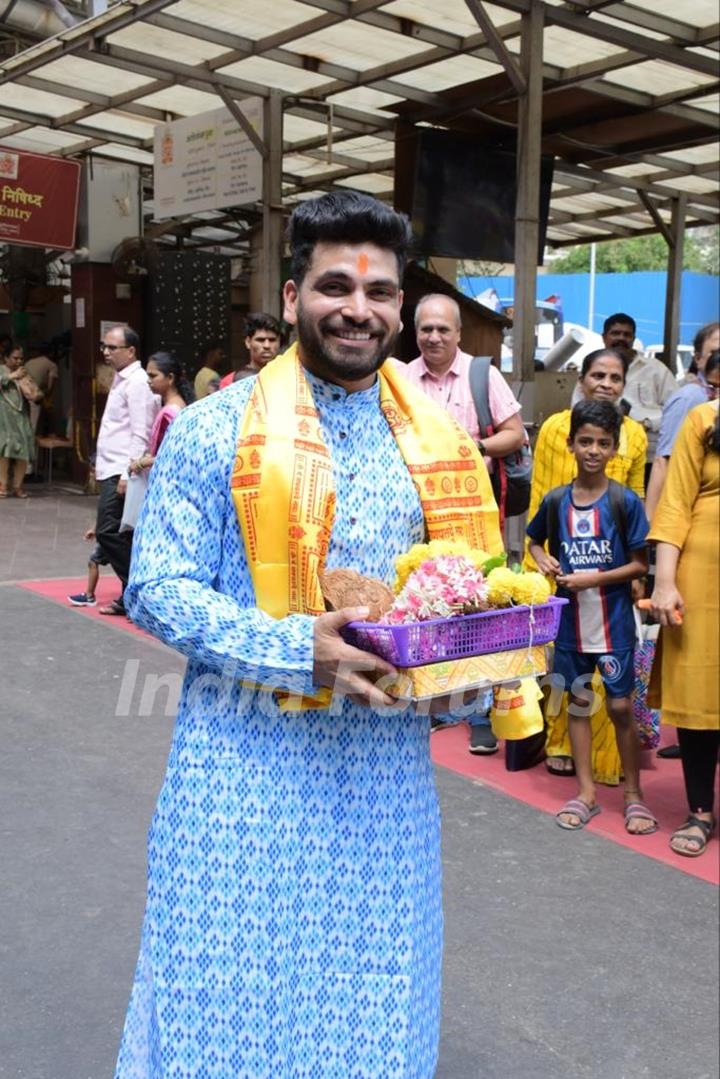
pixel 38 199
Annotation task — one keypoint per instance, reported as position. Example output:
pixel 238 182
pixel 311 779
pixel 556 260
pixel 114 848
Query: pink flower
pixel 441 587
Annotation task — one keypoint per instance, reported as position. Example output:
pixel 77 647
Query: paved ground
pixel 566 957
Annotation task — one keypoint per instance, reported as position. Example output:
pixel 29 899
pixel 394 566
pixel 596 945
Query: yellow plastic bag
pixel 516 710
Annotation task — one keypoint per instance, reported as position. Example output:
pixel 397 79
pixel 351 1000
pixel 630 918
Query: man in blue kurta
pixel 293 926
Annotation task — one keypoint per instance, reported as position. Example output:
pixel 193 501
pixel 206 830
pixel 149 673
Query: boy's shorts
pixel 98 557
pixel 616 669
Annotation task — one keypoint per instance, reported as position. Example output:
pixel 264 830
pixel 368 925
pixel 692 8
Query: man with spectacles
pixel 442 371
pixel 124 434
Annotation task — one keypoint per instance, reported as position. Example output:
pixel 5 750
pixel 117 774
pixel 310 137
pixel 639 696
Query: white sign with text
pixel 207 162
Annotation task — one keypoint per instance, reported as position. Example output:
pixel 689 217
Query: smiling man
pixel 442 371
pixel 293 924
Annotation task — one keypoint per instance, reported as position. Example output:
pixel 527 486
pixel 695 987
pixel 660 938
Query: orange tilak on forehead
pixel 362 262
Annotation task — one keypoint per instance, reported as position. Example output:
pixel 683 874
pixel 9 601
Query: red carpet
pixel 108 588
pixel 663 791
pixel 662 780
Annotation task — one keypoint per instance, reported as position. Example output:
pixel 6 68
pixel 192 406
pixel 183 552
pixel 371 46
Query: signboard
pixel 38 199
pixel 207 162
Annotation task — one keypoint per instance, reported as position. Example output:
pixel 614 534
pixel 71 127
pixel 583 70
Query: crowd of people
pixel 294 859
pixel 296 863
pixel 627 413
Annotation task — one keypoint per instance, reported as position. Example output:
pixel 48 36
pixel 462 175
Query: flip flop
pixel 579 809
pixel 638 811
pixel 706 827
pixel 560 771
pixel 113 608
pixel 19 493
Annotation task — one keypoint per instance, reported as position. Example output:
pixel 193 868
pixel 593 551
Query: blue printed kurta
pixel 293 927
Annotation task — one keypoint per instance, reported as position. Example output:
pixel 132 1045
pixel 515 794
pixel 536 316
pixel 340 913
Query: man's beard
pixel 338 362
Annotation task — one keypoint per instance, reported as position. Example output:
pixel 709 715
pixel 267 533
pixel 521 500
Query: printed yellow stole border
pixel 283 490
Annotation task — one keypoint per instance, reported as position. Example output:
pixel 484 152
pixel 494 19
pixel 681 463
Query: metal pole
pixel 528 193
pixel 671 335
pixel 272 204
pixel 591 298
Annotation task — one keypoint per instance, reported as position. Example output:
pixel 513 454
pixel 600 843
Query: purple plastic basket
pixel 416 643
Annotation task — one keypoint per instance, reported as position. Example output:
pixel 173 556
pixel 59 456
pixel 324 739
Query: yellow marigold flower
pixel 501 583
pixel 530 588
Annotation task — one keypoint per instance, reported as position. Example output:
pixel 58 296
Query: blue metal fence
pixel 640 294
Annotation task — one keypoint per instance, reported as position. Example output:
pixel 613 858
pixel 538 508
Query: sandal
pixel 639 811
pixel 3 491
pixel 19 493
pixel 115 607
pixel 563 770
pixel 579 809
pixel 707 828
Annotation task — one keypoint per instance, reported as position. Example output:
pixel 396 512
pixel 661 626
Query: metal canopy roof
pixel 630 94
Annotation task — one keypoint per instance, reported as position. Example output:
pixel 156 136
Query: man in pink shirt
pixel 124 433
pixel 442 371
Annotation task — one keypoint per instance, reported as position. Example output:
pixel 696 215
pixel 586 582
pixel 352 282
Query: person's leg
pixel 575 670
pixel 87 598
pixel 638 820
pixel 93 574
pixel 115 545
pixel 617 670
pixel 20 468
pixel 4 474
pixel 482 740
pixel 580 731
pixel 699 754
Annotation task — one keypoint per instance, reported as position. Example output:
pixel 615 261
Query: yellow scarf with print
pixel 283 492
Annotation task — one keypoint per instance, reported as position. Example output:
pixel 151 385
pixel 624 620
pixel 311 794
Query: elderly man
pixel 649 382
pixel 442 371
pixel 293 924
pixel 124 434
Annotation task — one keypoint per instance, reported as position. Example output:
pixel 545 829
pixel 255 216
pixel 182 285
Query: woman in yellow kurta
pixel 685 527
pixel 602 378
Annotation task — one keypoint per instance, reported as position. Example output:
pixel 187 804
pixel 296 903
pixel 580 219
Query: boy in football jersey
pixel 595 532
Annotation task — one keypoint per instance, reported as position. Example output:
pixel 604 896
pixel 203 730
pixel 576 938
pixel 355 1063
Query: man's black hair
pixel 345 217
pixel 600 414
pixel 258 320
pixel 592 356
pixel 620 316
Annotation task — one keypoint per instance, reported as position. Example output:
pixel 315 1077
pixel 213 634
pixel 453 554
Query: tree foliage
pixel 640 253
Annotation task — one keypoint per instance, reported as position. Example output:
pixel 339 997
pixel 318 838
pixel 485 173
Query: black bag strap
pixel 616 496
pixel 480 390
pixel 552 505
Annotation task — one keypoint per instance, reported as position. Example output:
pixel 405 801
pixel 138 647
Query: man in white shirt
pixel 442 371
pixel 124 434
